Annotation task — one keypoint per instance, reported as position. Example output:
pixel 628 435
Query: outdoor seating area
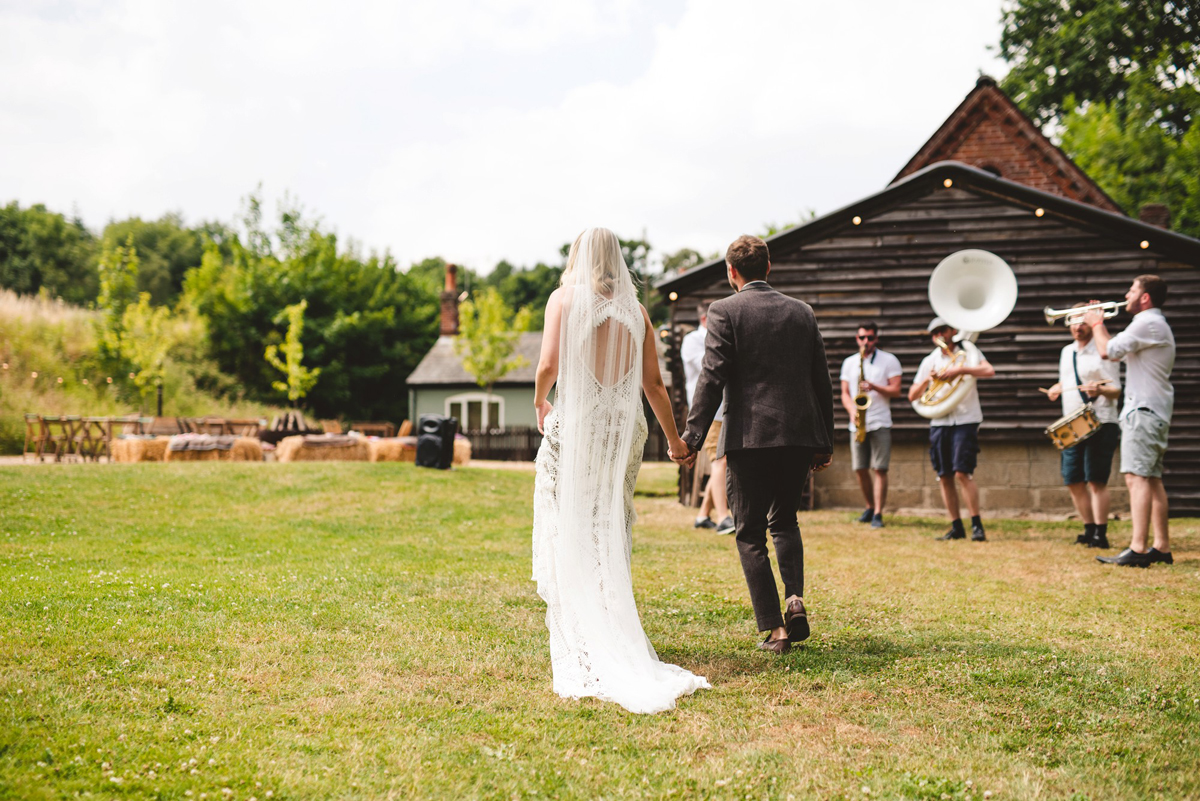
pixel 289 438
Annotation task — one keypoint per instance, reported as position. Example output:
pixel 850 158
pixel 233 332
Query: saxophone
pixel 862 401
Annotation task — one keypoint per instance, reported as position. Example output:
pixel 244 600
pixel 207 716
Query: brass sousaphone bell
pixel 973 291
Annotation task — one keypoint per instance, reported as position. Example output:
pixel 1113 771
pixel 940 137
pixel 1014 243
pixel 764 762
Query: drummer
pixel 1085 377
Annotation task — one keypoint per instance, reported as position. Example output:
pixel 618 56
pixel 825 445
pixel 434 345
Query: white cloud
pixel 480 130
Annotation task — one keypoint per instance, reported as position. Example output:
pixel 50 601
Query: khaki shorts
pixel 710 442
pixel 875 450
pixel 1143 443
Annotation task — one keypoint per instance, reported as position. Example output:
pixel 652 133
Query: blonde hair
pixel 601 249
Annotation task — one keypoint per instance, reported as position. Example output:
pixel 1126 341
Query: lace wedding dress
pixel 583 494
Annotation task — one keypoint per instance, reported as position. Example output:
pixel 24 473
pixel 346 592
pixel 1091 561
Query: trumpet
pixel 1072 316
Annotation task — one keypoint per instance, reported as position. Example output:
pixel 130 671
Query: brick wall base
pixel 1015 480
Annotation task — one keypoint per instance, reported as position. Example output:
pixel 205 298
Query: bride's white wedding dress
pixel 583 506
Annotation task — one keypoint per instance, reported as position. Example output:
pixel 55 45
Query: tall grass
pixel 56 341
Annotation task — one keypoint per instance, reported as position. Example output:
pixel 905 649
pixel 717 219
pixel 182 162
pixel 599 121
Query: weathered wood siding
pixel 880 270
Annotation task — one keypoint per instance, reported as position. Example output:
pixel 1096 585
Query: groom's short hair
pixel 750 257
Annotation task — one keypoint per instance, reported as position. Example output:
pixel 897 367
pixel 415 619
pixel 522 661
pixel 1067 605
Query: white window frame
pixel 463 398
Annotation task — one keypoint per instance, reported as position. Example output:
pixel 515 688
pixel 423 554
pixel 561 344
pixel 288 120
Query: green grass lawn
pixel 331 630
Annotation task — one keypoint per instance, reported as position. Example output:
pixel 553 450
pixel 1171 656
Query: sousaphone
pixel 973 291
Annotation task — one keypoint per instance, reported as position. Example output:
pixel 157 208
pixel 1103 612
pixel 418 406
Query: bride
pixel 598 348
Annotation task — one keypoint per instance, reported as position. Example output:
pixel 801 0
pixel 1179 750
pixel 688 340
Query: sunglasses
pixel 866 337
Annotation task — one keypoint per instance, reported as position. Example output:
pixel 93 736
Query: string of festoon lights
pixel 34 375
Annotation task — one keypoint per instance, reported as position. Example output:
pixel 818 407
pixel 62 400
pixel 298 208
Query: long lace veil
pixel 583 497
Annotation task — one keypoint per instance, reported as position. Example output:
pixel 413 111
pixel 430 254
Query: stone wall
pixel 1016 479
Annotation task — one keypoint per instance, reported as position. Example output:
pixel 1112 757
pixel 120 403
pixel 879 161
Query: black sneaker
pixel 877 521
pixel 1099 540
pixel 1162 557
pixel 1128 558
pixel 1084 539
pixel 704 523
pixel 954 534
pixel 727 526
pixel 866 516
pixel 977 534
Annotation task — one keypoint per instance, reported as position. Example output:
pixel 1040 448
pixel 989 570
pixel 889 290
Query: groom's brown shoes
pixel 796 621
pixel 775 646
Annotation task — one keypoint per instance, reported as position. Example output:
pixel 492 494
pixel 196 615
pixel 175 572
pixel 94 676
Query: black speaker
pixel 435 441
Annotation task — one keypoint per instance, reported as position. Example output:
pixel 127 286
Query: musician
pixel 1147 346
pixel 691 351
pixel 954 437
pixel 1084 377
pixel 880 372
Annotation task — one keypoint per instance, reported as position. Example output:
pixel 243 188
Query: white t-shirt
pixel 968 409
pixel 691 351
pixel 1091 368
pixel 1147 347
pixel 880 367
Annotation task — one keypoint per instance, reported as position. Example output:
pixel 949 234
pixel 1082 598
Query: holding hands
pixel 680 453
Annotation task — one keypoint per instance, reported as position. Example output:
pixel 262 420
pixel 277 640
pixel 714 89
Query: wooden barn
pixel 1065 240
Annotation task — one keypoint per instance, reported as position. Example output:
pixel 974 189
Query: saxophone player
pixel 870 379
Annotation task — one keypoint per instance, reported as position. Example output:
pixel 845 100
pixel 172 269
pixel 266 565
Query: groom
pixel 764 355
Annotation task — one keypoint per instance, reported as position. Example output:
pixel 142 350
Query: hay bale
pixel 245 449
pixel 193 456
pixel 140 450
pixel 393 449
pixel 296 449
pixel 462 451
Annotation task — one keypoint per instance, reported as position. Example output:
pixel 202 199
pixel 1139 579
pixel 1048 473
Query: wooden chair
pixel 330 426
pixel 243 427
pixel 35 437
pixel 405 429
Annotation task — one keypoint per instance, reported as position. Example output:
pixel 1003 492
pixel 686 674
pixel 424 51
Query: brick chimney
pixel 1156 214
pixel 450 303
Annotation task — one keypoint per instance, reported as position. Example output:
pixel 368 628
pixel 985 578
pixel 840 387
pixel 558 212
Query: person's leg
pixel 1158 515
pixel 881 459
pixel 1140 502
pixel 970 491
pixel 1099 501
pixel 790 472
pixel 1082 502
pixel 706 502
pixel 864 484
pixel 720 499
pixel 881 488
pixel 749 483
pixel 950 496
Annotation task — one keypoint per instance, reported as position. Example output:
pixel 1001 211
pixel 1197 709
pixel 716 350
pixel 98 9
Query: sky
pixel 479 130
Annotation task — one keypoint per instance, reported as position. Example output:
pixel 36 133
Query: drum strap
pixel 1078 382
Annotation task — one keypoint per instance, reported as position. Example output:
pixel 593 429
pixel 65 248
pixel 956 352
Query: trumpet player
pixel 1084 377
pixel 870 379
pixel 954 437
pixel 1147 346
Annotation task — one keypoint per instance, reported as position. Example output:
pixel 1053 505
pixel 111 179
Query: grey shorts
pixel 1143 443
pixel 874 452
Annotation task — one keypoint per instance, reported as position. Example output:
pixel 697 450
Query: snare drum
pixel 1074 428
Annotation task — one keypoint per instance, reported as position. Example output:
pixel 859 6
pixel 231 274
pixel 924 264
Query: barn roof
pixel 442 365
pixel 1110 225
pixel 989 131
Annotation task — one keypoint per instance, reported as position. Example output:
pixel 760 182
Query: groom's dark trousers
pixel 764 355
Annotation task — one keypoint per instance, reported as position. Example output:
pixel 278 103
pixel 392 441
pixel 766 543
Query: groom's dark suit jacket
pixel 765 355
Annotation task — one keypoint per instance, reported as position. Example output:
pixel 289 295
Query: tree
pixel 166 248
pixel 41 251
pixel 118 269
pixel 1089 49
pixel 526 287
pixel 681 260
pixel 487 337
pixel 367 324
pixel 146 338
pixel 1117 79
pixel 299 379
